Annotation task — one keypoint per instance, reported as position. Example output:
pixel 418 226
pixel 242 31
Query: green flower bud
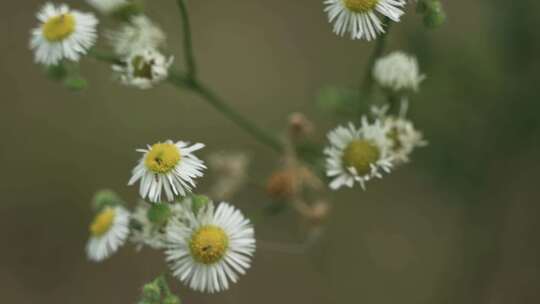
pixel 159 213
pixel 199 201
pixel 434 15
pixel 106 198
pixel 151 292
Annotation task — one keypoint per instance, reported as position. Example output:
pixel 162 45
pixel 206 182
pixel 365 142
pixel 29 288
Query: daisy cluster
pixel 383 141
pixel 207 245
pixel 64 35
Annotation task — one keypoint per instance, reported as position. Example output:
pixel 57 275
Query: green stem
pixel 366 88
pixel 190 81
pixel 188 44
pixel 224 108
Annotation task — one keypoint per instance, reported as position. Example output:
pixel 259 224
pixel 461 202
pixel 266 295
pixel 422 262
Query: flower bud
pixel 151 292
pixel 159 213
pixel 199 201
pixel 282 184
pixel 299 125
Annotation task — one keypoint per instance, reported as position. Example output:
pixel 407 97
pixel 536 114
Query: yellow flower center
pixel 162 158
pixel 209 244
pixel 59 28
pixel 142 68
pixel 103 222
pixel 360 6
pixel 360 154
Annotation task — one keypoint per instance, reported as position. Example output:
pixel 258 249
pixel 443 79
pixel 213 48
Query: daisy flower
pixel 139 34
pixel 108 6
pixel 144 69
pixel 357 154
pixel 210 248
pixel 167 167
pixel 398 71
pixel 361 17
pixel 108 231
pixel 404 138
pixel 62 34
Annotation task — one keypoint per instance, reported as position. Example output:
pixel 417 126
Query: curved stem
pixel 188 44
pixel 190 81
pixel 224 108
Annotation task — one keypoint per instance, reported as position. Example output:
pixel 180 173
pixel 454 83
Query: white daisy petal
pixel 359 18
pixel 165 167
pixel 219 243
pixel 361 154
pixel 109 231
pixel 62 34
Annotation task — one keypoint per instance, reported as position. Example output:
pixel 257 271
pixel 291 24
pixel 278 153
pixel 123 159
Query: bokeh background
pixel 460 224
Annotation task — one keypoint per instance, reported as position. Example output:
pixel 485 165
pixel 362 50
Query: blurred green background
pixel 457 225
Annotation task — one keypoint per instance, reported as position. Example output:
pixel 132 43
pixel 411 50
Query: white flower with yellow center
pixel 140 33
pixel 398 72
pixel 167 167
pixel 144 69
pixel 108 6
pixel 62 34
pixel 360 17
pixel 210 248
pixel 357 155
pixel 108 232
pixel 404 138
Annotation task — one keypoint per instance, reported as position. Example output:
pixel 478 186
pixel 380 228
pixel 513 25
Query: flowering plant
pixel 208 242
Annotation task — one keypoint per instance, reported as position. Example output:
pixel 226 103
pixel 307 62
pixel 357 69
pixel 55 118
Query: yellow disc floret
pixel 162 157
pixel 103 222
pixel 361 154
pixel 209 244
pixel 360 6
pixel 59 28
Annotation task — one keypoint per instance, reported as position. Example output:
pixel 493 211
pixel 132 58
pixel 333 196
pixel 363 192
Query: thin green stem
pixel 224 108
pixel 366 89
pixel 181 80
pixel 190 81
pixel 189 56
